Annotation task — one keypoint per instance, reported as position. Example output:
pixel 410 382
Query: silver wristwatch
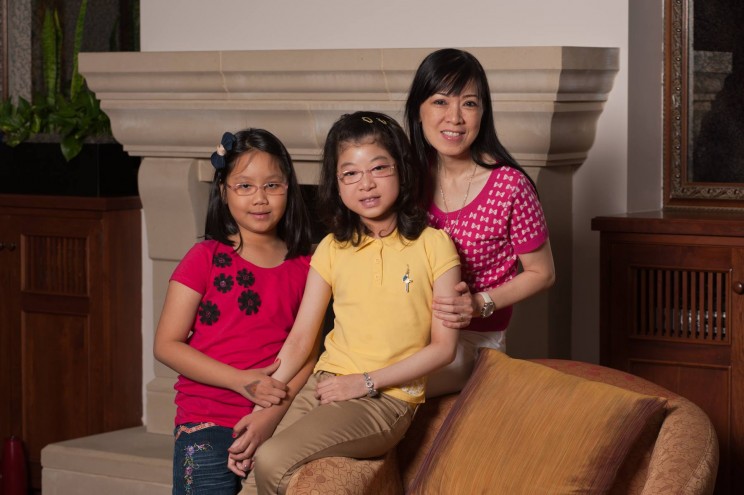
pixel 488 305
pixel 371 390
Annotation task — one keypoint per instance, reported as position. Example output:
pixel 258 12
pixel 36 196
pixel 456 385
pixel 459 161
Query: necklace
pixel 447 226
pixel 389 229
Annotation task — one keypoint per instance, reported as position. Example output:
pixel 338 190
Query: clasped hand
pixel 257 386
pixel 250 432
pixel 457 311
pixel 255 428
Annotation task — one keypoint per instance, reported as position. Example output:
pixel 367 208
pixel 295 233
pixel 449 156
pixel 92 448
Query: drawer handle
pixel 739 288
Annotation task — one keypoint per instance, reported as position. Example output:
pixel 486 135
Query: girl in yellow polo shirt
pixel 382 266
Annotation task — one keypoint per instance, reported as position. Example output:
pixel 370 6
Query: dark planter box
pixel 101 169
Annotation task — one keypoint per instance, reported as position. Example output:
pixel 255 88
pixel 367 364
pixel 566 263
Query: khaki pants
pixel 359 428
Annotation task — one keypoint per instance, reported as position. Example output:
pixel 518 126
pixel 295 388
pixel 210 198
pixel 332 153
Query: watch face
pixel 487 310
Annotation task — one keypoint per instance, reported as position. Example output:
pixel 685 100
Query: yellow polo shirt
pixel 380 318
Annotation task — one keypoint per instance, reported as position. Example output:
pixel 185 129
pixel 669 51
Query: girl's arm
pixel 170 348
pixel 295 361
pixel 457 311
pixel 439 352
pixel 306 328
pixel 256 427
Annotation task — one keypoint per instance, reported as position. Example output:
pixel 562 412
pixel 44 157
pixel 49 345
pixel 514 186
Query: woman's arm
pixel 306 328
pixel 537 275
pixel 439 352
pixel 170 348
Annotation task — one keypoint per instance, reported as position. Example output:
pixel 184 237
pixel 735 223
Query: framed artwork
pixel 703 107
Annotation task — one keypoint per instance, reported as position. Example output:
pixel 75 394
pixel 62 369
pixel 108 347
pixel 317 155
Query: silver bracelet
pixel 371 390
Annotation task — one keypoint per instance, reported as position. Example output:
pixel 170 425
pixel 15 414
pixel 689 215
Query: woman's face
pixel 451 123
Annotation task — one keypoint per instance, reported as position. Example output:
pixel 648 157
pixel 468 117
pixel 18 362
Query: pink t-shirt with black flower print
pixel 244 317
pixel 502 222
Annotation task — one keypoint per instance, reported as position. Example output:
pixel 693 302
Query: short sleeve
pixel 441 251
pixel 193 269
pixel 321 260
pixel 527 227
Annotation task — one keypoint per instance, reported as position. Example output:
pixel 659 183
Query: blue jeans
pixel 200 460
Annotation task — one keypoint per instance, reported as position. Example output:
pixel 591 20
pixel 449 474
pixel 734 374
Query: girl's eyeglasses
pixel 270 188
pixel 353 176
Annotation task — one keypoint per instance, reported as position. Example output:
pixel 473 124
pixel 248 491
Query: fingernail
pixel 234 435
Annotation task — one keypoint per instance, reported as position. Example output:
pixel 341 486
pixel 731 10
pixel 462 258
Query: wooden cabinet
pixel 672 311
pixel 70 313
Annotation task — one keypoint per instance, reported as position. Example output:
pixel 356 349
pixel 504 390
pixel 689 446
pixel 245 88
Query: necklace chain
pixel 447 226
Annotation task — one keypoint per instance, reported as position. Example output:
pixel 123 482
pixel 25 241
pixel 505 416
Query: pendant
pixel 407 280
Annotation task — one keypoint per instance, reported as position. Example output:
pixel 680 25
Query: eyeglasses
pixel 270 188
pixel 353 176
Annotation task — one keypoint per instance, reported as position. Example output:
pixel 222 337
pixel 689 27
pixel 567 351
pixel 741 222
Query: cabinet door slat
pixel 680 304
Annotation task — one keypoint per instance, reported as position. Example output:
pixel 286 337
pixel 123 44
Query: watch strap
pixel 486 298
pixel 488 305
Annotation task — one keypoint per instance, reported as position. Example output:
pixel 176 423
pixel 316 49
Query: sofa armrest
pixel 348 476
pixel 685 457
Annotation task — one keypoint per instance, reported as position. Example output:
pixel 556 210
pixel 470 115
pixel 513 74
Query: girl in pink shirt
pixel 230 305
pixel 483 199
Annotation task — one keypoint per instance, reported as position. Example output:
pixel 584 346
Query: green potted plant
pixel 69 116
pixel 73 115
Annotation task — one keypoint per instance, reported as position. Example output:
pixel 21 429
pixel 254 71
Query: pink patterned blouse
pixel 503 221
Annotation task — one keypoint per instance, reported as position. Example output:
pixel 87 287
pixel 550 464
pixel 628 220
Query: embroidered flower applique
pixel 222 260
pixel 249 302
pixel 208 313
pixel 245 278
pixel 190 465
pixel 414 388
pixel 224 283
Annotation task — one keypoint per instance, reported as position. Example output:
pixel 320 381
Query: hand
pixel 456 312
pixel 251 431
pixel 257 386
pixel 338 388
pixel 239 467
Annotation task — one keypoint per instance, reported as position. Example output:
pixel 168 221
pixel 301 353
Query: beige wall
pixel 601 185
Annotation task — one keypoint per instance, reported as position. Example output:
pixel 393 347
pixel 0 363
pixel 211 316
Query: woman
pixel 483 199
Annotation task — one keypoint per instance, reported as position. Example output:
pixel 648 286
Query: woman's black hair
pixel 449 71
pixel 293 228
pixel 365 128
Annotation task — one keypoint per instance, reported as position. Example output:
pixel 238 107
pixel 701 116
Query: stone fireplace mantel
pixel 171 109
pixel 546 99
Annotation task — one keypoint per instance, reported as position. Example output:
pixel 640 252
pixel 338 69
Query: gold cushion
pixel 523 428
